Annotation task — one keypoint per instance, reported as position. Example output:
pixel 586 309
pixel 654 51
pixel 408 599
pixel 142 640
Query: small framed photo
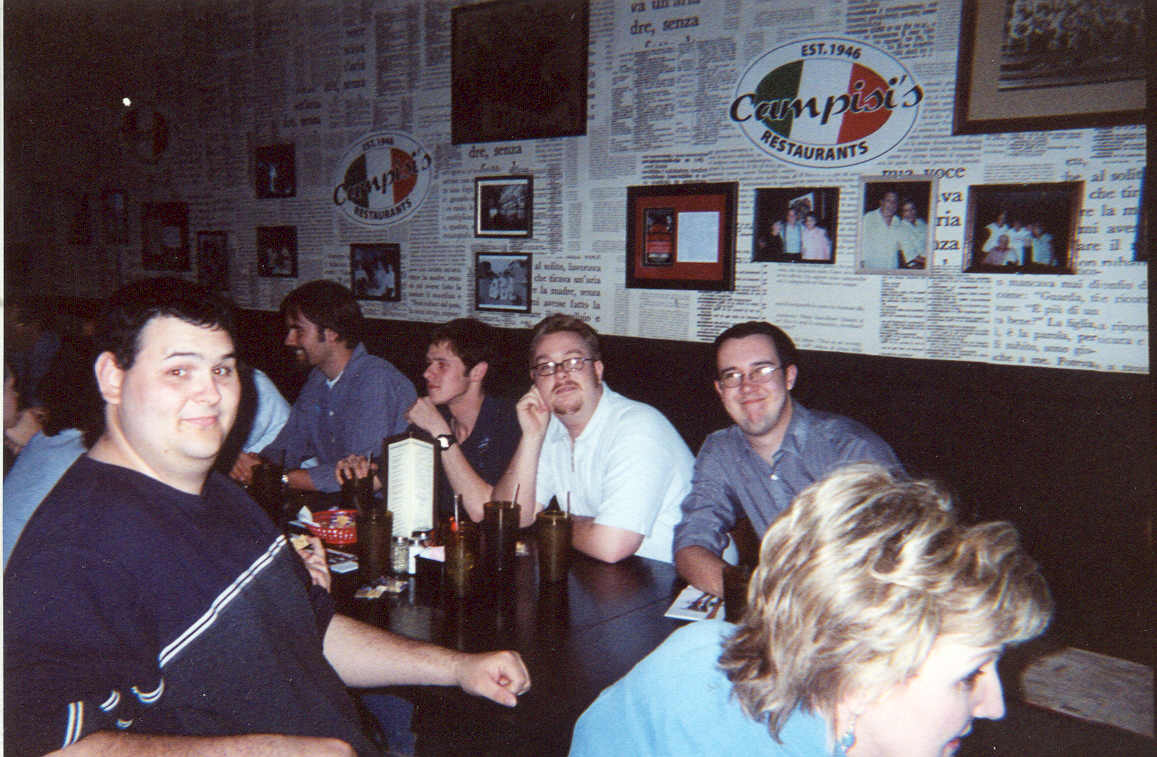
pixel 795 225
pixel 895 236
pixel 681 236
pixel 274 173
pixel 502 281
pixel 503 206
pixel 1046 65
pixel 1022 228
pixel 213 259
pixel 376 272
pixel 277 251
pixel 165 236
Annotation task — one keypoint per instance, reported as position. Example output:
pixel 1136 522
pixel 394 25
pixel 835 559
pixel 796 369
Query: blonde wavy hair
pixel 857 580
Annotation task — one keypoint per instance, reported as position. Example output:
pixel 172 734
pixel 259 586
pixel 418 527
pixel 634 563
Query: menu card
pixel 692 604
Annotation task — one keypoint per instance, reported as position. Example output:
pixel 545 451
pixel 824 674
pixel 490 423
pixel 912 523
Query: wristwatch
pixel 445 441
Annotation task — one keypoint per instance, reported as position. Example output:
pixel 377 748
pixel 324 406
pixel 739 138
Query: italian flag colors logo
pixel 382 179
pixel 826 102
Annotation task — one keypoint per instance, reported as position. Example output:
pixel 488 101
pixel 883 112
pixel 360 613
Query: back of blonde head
pixel 858 579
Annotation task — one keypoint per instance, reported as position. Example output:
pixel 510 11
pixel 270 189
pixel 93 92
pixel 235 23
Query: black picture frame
pixel 771 208
pixel 1056 205
pixel 376 272
pixel 518 70
pixel 1009 81
pixel 502 281
pixel 277 252
pixel 274 171
pixel 165 236
pixel 504 206
pixel 682 236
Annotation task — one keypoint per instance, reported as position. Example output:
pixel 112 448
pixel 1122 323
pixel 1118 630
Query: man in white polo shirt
pixel 624 466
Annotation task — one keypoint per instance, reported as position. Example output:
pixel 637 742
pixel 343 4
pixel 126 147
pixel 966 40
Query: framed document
pixel 681 236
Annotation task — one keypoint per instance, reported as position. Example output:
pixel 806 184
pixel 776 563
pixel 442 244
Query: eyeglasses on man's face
pixel 570 365
pixel 760 374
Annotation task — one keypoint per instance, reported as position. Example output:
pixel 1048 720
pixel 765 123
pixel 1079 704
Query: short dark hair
pixel 134 305
pixel 784 346
pixel 329 305
pixel 557 322
pixel 471 340
pixel 70 396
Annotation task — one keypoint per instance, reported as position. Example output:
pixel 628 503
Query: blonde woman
pixel 874 625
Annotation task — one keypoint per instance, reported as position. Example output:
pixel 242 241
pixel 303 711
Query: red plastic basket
pixel 336 527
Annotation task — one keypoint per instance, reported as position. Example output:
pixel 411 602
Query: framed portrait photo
pixel 1023 228
pixel 213 259
pixel 1027 65
pixel 503 206
pixel 795 225
pixel 277 251
pixel 274 172
pixel 165 236
pixel 895 236
pixel 376 272
pixel 681 236
pixel 502 281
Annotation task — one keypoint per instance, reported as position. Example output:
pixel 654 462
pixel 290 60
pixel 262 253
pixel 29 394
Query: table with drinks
pixel 579 624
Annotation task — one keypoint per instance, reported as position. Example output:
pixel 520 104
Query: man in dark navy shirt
pixel 476 432
pixel 150 607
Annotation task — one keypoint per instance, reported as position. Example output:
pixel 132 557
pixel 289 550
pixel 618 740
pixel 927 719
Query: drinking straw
pixel 568 504
pixel 516 493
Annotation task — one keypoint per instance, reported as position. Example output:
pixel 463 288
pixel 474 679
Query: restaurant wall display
pixel 1023 228
pixel 795 225
pixel 1027 65
pixel 165 236
pixel 502 281
pixel 681 236
pixel 277 251
pixel 895 235
pixel 376 272
pixel 274 172
pixel 519 70
pixel 504 206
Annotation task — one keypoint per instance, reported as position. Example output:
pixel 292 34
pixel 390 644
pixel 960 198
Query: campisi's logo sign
pixel 826 102
pixel 382 179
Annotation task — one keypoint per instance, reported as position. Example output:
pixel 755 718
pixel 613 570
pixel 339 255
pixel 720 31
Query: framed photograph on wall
pixel 213 259
pixel 1022 228
pixel 795 225
pixel 502 281
pixel 895 236
pixel 503 206
pixel 518 70
pixel 376 272
pixel 1032 65
pixel 165 236
pixel 274 172
pixel 277 251
pixel 682 236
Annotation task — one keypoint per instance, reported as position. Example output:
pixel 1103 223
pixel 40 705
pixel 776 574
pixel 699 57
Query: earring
pixel 848 738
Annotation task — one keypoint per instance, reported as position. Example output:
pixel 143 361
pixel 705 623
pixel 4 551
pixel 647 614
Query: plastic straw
pixel 568 504
pixel 516 493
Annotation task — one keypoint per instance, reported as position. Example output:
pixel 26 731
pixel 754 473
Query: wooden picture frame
pixel 901 247
pixel 502 281
pixel 518 70
pixel 376 272
pixel 682 236
pixel 1056 206
pixel 277 252
pixel 1015 74
pixel 504 206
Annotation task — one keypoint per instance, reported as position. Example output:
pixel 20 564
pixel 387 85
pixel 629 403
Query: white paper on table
pixel 692 604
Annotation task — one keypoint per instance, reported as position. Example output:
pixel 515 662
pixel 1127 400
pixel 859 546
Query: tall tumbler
pixel 554 535
pixel 374 529
pixel 499 534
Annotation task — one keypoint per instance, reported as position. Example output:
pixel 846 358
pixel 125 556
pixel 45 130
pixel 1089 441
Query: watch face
pixel 444 441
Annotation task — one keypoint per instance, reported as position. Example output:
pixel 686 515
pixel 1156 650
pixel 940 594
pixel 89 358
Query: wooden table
pixel 581 635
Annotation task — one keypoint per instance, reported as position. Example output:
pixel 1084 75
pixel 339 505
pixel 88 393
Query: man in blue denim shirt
pixel 351 400
pixel 776 448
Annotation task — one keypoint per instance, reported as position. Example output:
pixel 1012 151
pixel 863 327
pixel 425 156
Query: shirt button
pixel 774 476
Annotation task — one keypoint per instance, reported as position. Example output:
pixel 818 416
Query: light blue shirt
pixel 37 469
pixel 272 413
pixel 677 701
